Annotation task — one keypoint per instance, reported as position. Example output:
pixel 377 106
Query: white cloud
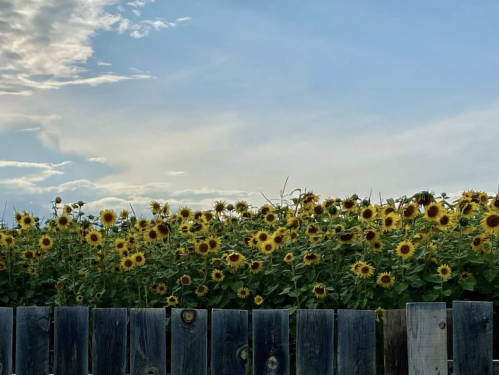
pixel 102 63
pixel 137 12
pixel 120 9
pixel 175 173
pixel 97 160
pixel 26 182
pixel 140 3
pixel 29 130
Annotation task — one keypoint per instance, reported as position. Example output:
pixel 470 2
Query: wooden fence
pixel 416 341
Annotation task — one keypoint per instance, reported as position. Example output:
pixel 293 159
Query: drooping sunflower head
pixel 319 290
pixel 379 313
pixel 347 238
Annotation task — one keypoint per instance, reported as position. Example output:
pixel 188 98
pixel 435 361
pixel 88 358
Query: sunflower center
pixel 408 211
pixel 108 217
pixel 63 220
pixel 234 257
pixel 262 237
pixel 389 210
pixel 27 220
pixel 477 241
pixel 319 290
pixel 493 221
pixel 370 235
pixel 388 221
pixel 346 237
pixel 270 217
pixel 184 213
pixel 213 244
pixel 443 271
pixel 29 255
pixel 203 248
pixel 255 266
pixel 444 220
pixel 310 256
pixel 367 214
pixel 313 229
pixel 128 263
pixel 365 269
pixel 386 279
pixel 153 234
pixel 46 242
pixel 143 223
pixel 377 245
pixel 467 209
pixel 278 239
pixel 405 249
pixel 94 237
pixel 433 211
pixel 348 204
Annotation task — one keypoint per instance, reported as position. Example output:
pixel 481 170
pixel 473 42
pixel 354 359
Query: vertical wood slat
pixel 109 341
pixel 395 342
pixel 450 333
pixel 189 342
pixel 472 338
pixel 229 342
pixel 147 341
pixel 271 342
pixel 71 341
pixel 315 342
pixel 427 338
pixel 32 340
pixel 356 342
pixel 6 327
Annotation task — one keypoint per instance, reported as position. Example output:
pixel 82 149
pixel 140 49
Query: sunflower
pixel 270 218
pixel 279 239
pixel 220 207
pixel 468 209
pixel 18 217
pixel 59 285
pixel 293 222
pixel 235 259
pixel 349 205
pixel 410 211
pixel 150 235
pixel 124 214
pixel 3 266
pixel 387 210
pixel 256 266
pixel 355 268
pixel 265 209
pixel 312 230
pixel 155 207
pixel 124 252
pixel 434 211
pixel 142 224
pixel 202 248
pixel 38 254
pixel 217 275
pixel 494 204
pixel 108 218
pixel 365 271
pixel 483 198
pixel 185 280
pixel 163 230
pixel 405 249
pixel 63 222
pixel 318 210
pixel 138 259
pixel 377 246
pixel 368 214
pixel 267 247
pixel 79 298
pixel 201 290
pixel 263 236
pixel 379 313
pixel 448 221
pixel 444 271
pixel 385 280
pixel 27 221
pixel 94 238
pixel 8 240
pixel 465 276
pixel 309 200
pixel 120 244
pixel 172 301
pixel 391 221
pixel 161 288
pixel 478 242
pixel 184 229
pixel 289 257
pixel 127 263
pixel 241 206
pixel 315 239
pixel 243 292
pixel 258 300
pixel 490 223
pixel 319 290
pixel 311 258
pixel 348 238
pixel 371 235
pixel 293 236
pixel 132 239
pixel 45 242
pixel 421 236
pixel 28 254
pixel 185 213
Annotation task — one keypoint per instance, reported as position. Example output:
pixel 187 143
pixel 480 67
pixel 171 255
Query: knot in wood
pixel 441 325
pixel 485 321
pixel 189 316
pixel 243 353
pixel 272 363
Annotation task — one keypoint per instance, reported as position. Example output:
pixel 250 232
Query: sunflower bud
pixel 74 205
pixel 366 203
pixel 37 219
pixel 58 200
pixel 355 197
pixel 230 207
pixel 444 195
pixel 91 217
pixel 80 203
pixel 81 213
pixel 332 210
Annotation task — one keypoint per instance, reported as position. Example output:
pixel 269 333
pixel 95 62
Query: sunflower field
pixel 301 253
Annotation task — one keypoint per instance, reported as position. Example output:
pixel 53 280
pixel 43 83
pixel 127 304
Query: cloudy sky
pixel 115 102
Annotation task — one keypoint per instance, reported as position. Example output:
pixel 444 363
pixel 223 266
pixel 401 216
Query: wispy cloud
pixel 175 173
pixel 102 63
pixel 144 28
pixel 97 160
pixel 28 130
pixel 137 12
pixel 139 3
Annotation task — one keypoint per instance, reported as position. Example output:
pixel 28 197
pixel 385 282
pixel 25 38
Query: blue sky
pixel 123 102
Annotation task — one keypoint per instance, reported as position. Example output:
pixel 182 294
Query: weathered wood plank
pixel 427 338
pixel 229 342
pixel 6 328
pixel 356 342
pixel 472 338
pixel 395 342
pixel 147 341
pixel 495 367
pixel 450 332
pixel 271 342
pixel 71 341
pixel 189 342
pixel 315 342
pixel 109 341
pixel 32 340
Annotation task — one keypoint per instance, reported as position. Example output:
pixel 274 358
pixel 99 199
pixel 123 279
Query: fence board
pixel 147 341
pixel 450 334
pixel 395 342
pixel 427 338
pixel 315 342
pixel 472 338
pixel 356 342
pixel 32 340
pixel 71 341
pixel 6 327
pixel 189 341
pixel 271 342
pixel 229 342
pixel 109 341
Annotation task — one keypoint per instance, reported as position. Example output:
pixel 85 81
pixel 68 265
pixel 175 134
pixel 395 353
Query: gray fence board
pixel 189 340
pixel 427 338
pixel 315 342
pixel 147 341
pixel 109 341
pixel 229 342
pixel 32 340
pixel 6 327
pixel 271 342
pixel 356 347
pixel 395 342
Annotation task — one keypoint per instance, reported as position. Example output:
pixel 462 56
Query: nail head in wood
pixel 189 316
pixel 442 325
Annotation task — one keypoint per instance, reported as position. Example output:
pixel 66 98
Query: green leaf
pixel 476 259
pixel 418 268
pixel 429 297
pixel 447 292
pixel 215 300
pixel 490 274
pixel 235 286
pixel 468 285
pixel 4 298
pixel 399 287
pixel 292 310
pixel 286 290
pixel 13 295
pixel 433 278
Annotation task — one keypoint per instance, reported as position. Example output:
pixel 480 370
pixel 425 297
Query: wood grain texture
pixel 147 341
pixel 271 342
pixel 32 340
pixel 109 341
pixel 427 338
pixel 71 341
pixel 450 333
pixel 189 342
pixel 356 342
pixel 395 342
pixel 229 342
pixel 472 338
pixel 315 342
pixel 6 328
